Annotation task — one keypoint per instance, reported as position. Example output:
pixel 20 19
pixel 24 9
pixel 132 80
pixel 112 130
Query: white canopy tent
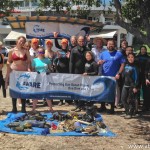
pixel 13 35
pixel 109 31
pixel 103 34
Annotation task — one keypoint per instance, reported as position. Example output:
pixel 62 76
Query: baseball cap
pixel 64 41
pixel 34 40
pixel 49 42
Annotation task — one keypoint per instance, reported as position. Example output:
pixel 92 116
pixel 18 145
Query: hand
pixel 147 82
pixel 117 76
pixel 68 54
pixel 134 90
pixel 100 62
pixel 55 34
pixel 58 55
pixel 88 38
pixel 85 74
pixel 29 70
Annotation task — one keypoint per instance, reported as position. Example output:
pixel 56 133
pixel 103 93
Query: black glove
pixel 38 72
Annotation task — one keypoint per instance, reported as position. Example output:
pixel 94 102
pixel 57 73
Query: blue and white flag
pixel 31 85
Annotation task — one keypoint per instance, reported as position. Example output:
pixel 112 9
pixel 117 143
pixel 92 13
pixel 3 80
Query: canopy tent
pixel 13 35
pixel 104 34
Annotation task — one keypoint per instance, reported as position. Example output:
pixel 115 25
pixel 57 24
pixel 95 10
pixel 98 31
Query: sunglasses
pixel 41 52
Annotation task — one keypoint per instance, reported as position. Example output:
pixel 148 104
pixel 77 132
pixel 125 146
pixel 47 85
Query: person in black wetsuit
pixel 77 64
pixel 91 68
pixel 130 87
pixel 73 44
pixel 2 82
pixel 146 105
pixel 61 62
pixel 124 49
pixel 142 59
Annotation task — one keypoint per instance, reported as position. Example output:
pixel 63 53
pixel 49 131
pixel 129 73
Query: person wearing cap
pixel 34 46
pixel 98 49
pixel 2 82
pixel 49 53
pixel 61 62
pixel 71 45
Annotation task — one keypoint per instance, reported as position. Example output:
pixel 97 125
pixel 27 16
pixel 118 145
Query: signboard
pixel 44 30
pixel 31 85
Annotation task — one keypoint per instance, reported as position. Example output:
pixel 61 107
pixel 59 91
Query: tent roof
pixel 104 34
pixel 13 35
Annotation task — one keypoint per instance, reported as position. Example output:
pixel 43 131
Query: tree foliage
pixel 7 6
pixel 133 15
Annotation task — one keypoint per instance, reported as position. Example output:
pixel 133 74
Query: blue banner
pixel 31 85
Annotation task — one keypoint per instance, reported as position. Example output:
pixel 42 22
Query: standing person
pixel 18 60
pixel 130 87
pixel 98 49
pixel 34 46
pixel 142 58
pixel 124 45
pixel 49 53
pixel 77 64
pixel 124 49
pixel 112 65
pixel 62 62
pixel 27 45
pixel 73 41
pixel 91 68
pixel 2 82
pixel 146 104
pixel 41 64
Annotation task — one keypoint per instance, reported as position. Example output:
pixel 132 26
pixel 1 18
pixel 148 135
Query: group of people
pixel 79 56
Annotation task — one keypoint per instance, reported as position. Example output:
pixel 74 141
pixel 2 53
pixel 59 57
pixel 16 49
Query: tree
pixel 7 6
pixel 133 15
pixel 137 13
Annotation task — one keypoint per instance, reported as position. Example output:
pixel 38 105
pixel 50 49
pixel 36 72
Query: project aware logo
pixel 20 84
pixel 37 29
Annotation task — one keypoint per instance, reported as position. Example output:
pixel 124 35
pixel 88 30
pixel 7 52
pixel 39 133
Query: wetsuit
pixel 2 82
pixel 62 63
pixel 91 68
pixel 146 103
pixel 131 80
pixel 77 65
pixel 142 60
pixel 77 60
